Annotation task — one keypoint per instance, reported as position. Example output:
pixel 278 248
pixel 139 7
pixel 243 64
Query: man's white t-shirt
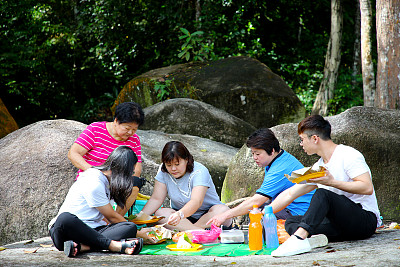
pixel 345 164
pixel 91 190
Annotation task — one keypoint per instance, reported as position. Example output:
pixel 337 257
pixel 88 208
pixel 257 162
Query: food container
pixel 233 236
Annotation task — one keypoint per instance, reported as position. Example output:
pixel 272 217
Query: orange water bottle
pixel 255 229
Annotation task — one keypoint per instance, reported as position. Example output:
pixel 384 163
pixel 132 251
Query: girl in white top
pixel 80 224
pixel 190 188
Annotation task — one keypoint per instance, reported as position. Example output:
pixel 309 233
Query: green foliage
pixel 346 94
pixel 68 59
pixel 194 46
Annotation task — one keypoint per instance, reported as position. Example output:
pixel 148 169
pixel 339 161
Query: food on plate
pixel 184 242
pixel 176 236
pixel 302 175
pixel 159 233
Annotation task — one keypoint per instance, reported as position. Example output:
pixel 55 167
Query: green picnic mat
pixel 217 249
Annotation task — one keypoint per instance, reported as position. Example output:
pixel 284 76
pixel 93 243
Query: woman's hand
pixel 143 234
pixel 174 219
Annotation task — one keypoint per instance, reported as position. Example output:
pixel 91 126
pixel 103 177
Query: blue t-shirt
pixel 275 182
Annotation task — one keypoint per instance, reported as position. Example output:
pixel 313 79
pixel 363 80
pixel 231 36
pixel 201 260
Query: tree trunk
pixel 388 73
pixel 366 57
pixel 356 47
pixel 332 61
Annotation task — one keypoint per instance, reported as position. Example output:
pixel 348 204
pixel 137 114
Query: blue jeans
pixel 336 216
pixel 70 227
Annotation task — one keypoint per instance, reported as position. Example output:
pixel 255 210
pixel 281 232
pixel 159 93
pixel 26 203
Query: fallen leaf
pixel 233 262
pixel 203 150
pixel 315 263
pixel 32 251
pixel 2 248
pixel 28 242
pixel 330 251
pixel 46 246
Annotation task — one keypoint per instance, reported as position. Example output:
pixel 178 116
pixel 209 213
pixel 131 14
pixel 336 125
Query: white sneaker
pixel 292 246
pixel 317 241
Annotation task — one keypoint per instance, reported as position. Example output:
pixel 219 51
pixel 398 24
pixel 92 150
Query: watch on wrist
pixel 181 215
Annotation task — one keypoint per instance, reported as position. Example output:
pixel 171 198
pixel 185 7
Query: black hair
pixel 175 150
pixel 315 125
pixel 129 112
pixel 121 162
pixel 265 139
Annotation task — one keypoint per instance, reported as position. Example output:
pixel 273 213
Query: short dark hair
pixel 175 150
pixel 265 139
pixel 129 112
pixel 121 162
pixel 315 125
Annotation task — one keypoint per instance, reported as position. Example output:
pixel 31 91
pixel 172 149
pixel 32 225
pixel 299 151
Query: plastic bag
pixel 282 234
pixel 206 236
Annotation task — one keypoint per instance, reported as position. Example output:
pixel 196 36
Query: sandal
pixel 138 245
pixel 69 248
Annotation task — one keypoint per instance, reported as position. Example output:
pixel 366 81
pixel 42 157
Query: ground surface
pixel 383 249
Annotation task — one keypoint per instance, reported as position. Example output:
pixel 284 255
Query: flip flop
pixel 69 248
pixel 138 245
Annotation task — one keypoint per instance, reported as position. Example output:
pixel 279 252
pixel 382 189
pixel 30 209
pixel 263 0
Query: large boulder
pixel 242 86
pixel 193 117
pixel 36 173
pixel 374 132
pixel 7 122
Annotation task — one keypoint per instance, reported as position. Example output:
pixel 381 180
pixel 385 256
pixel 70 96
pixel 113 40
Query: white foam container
pixel 233 236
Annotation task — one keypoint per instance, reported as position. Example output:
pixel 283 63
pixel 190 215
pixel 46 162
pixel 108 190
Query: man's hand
pixel 217 220
pixel 325 180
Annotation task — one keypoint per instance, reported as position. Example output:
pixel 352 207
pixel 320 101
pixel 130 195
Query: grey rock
pixel 193 117
pixel 241 86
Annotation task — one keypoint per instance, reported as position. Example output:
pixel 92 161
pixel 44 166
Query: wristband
pixel 181 215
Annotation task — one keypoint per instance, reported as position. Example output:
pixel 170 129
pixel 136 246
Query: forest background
pixel 70 58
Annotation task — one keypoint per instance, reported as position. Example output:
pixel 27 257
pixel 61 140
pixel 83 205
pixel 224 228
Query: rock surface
pixel 382 249
pixel 193 117
pixel 374 132
pixel 242 86
pixel 36 173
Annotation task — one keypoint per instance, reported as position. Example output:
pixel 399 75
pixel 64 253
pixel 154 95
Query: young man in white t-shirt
pixel 344 206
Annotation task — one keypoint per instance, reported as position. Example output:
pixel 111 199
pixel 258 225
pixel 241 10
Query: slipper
pixel 69 248
pixel 138 245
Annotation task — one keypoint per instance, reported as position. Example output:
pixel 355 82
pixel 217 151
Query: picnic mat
pixel 215 249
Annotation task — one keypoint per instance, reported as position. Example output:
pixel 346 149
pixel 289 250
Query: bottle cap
pixel 268 209
pixel 255 206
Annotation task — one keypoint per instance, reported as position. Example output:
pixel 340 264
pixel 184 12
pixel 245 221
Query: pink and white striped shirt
pixel 99 143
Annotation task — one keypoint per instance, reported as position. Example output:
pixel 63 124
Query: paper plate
pixel 153 220
pixel 194 248
pixel 308 176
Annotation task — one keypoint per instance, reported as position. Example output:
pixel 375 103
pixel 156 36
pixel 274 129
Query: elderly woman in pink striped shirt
pixel 99 139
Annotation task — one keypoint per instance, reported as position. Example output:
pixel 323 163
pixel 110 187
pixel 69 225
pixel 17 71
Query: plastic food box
pixel 233 236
